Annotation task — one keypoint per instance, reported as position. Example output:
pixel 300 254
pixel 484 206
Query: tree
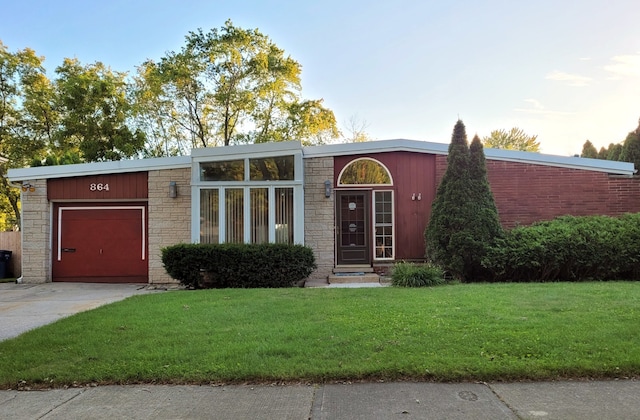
pixel 451 211
pixel 357 131
pixel 484 227
pixel 589 150
pixel 94 112
pixel 464 219
pixel 229 85
pixel 26 120
pixel 631 147
pixel 514 139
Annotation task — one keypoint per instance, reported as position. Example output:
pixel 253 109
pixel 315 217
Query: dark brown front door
pixel 100 244
pixel 354 230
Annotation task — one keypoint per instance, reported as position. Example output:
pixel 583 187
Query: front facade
pixel 359 206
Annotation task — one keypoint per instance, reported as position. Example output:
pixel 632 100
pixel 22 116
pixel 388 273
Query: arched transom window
pixel 365 171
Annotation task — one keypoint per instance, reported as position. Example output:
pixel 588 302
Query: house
pixel 359 206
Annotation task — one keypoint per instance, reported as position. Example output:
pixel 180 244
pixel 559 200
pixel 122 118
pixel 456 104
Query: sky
pixel 565 70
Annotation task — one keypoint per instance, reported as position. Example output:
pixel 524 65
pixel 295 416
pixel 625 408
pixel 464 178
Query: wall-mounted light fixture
pixel 28 187
pixel 173 189
pixel 327 188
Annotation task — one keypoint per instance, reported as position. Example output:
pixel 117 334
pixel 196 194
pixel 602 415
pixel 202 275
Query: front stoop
pixel 353 274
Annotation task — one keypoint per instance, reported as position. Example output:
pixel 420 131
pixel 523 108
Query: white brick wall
pixel 319 215
pixel 169 218
pixel 36 231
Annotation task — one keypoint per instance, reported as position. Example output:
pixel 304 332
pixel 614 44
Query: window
pixel 224 170
pixel 234 212
pixel 209 217
pixel 249 197
pixel 259 206
pixel 284 215
pixel 383 227
pixel 364 171
pixel 272 168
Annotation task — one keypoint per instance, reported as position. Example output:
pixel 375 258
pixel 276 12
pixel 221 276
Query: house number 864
pixel 98 187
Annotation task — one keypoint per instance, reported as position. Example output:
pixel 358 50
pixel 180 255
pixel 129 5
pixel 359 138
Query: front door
pixel 353 230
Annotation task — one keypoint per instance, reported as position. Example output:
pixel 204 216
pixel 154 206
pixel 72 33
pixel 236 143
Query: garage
pixel 98 235
pixel 100 243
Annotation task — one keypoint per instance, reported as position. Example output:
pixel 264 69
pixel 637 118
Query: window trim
pixel 393 225
pixel 340 184
pixel 249 152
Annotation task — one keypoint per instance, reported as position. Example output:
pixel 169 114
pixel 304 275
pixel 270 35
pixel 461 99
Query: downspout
pixel 19 186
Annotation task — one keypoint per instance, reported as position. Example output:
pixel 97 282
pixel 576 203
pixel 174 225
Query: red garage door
pixel 100 244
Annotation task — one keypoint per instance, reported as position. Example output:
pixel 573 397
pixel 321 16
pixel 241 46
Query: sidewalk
pixel 396 400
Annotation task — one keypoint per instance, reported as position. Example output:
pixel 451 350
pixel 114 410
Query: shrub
pixel 412 275
pixel 569 248
pixel 238 265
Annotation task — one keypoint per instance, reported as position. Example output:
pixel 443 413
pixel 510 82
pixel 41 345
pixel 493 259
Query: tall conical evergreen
pixel 450 210
pixel 464 219
pixel 485 225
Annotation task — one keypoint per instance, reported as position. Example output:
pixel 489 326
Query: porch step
pixel 353 269
pixel 353 277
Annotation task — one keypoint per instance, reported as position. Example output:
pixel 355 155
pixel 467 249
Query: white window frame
pixel 248 152
pixel 393 225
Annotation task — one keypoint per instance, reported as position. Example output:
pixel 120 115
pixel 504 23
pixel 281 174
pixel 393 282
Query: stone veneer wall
pixel 169 218
pixel 319 215
pixel 36 234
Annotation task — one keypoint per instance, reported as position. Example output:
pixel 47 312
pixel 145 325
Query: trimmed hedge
pixel 569 248
pixel 238 265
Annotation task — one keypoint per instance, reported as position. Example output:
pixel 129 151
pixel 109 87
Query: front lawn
pixel 448 333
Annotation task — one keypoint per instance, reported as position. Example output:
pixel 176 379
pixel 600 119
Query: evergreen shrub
pixel 568 248
pixel 406 274
pixel 238 265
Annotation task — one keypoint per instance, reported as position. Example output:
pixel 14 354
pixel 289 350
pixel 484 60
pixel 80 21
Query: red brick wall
pixel 527 193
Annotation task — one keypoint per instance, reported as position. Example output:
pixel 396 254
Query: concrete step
pixel 356 277
pixel 353 269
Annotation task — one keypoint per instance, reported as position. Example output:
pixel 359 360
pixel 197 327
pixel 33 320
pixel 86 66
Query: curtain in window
pixel 284 215
pixel 209 217
pixel 259 215
pixel 234 209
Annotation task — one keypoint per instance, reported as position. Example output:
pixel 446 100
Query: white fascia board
pixel 571 162
pixel 379 146
pixel 98 168
pixel 242 151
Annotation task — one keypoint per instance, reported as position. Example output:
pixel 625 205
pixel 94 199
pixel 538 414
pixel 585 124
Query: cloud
pixel 570 79
pixel 624 66
pixel 537 108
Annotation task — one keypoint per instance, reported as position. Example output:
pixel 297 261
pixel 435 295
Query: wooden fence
pixel 11 241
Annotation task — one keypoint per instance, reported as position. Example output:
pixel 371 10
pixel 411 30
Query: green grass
pixel 448 333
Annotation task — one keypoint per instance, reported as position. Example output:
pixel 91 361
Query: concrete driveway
pixel 27 306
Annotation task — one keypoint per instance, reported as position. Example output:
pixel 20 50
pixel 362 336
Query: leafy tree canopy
pixel 514 139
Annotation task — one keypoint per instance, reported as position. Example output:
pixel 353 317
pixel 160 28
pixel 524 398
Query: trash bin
pixel 5 256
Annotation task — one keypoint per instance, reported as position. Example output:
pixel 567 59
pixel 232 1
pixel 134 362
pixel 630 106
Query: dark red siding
pixel 99 187
pixel 526 193
pixel 414 189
